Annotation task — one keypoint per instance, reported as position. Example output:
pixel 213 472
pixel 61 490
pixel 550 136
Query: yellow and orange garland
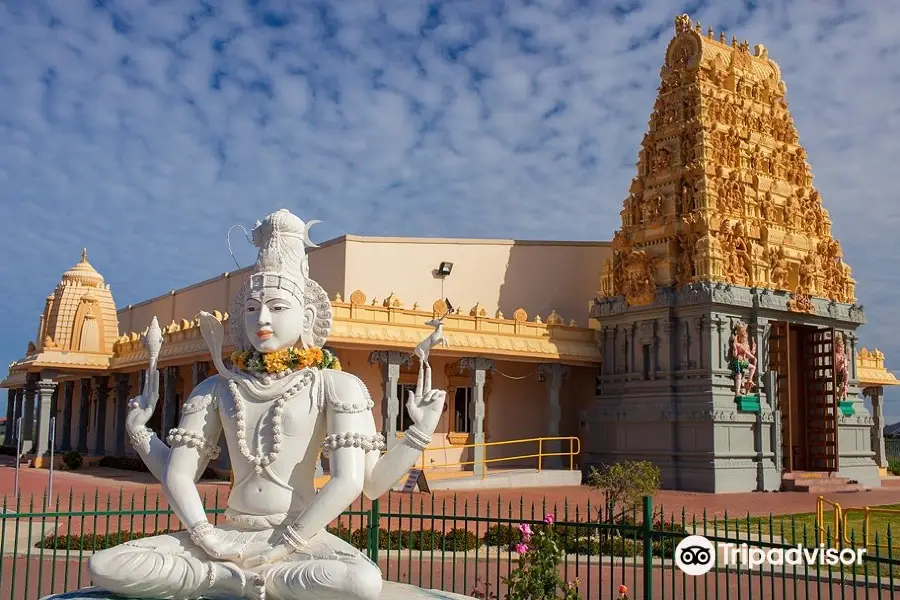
pixel 286 359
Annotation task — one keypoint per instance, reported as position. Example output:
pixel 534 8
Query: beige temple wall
pixel 504 274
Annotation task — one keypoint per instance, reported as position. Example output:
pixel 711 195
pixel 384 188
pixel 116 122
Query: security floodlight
pixel 445 268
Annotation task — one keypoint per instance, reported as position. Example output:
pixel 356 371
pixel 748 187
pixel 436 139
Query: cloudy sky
pixel 144 129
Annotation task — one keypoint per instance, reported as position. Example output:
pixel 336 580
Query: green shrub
pixel 72 460
pixel 625 483
pixel 502 536
pixel 460 540
pixel 894 466
pixel 426 540
pixel 94 541
pixel 621 547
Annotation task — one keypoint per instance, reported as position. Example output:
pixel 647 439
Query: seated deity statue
pixel 282 400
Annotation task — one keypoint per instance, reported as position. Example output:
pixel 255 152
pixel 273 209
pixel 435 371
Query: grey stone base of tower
pixel 667 393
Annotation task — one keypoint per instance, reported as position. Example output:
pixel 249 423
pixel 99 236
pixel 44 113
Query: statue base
pixel 747 403
pixel 391 591
pixel 847 408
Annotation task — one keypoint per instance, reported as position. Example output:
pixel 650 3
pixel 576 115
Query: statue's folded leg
pixel 331 569
pixel 163 566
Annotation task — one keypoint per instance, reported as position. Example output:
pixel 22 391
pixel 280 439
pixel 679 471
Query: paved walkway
pixel 111 488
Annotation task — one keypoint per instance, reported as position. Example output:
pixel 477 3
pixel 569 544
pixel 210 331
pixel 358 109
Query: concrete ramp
pixel 512 478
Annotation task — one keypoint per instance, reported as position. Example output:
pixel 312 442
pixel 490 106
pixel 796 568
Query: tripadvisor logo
pixel 696 555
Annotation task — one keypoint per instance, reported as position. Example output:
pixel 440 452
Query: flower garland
pixel 279 364
pixel 286 359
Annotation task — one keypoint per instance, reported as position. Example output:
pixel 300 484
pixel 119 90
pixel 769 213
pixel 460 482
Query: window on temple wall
pixel 462 423
pixel 403 391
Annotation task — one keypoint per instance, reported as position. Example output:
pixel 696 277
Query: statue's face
pixel 273 319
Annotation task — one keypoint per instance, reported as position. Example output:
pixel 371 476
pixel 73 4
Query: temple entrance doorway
pixel 803 358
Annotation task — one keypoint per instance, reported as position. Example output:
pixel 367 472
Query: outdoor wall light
pixel 444 268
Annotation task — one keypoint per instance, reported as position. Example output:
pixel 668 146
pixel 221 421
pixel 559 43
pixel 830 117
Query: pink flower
pixel 550 519
pixel 521 548
pixel 526 531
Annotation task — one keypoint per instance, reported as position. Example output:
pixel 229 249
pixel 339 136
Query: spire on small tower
pixel 84 255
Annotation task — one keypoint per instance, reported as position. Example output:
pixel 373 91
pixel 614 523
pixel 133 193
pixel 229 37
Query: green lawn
pixel 883 527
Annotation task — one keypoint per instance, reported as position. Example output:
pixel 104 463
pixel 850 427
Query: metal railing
pixel 840 526
pixel 466 545
pixel 544 450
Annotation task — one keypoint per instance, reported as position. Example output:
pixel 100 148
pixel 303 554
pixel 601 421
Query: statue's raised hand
pixel 425 405
pixel 141 408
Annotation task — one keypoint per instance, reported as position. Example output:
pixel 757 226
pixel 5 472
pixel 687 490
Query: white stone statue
pixel 283 400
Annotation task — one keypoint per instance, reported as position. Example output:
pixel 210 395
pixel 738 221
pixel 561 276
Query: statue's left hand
pixel 266 555
pixel 425 405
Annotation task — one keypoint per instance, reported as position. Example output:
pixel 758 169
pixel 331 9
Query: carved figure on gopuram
pixel 721 145
pixel 743 361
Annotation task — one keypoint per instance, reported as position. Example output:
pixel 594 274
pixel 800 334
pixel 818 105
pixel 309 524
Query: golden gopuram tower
pixel 723 191
pixel 726 315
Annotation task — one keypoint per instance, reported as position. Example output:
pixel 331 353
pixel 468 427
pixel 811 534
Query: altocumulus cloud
pixel 144 129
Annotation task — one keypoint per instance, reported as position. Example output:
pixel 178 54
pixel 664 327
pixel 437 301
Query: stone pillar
pixel 878 446
pixel 479 368
pixel 65 443
pixel 390 404
pixel 10 417
pixel 553 375
pixel 101 399
pixel 123 387
pixel 45 389
pixel 170 402
pixel 84 398
pixel 28 417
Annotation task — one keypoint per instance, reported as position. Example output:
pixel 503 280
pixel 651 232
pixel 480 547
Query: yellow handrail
pixel 574 445
pixel 574 450
pixel 836 522
pixel 841 530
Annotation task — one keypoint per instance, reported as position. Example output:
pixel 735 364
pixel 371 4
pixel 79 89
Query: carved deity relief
pixel 841 367
pixel 742 361
pixel 779 264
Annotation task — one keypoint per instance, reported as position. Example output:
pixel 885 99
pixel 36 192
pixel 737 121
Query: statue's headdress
pixel 282 263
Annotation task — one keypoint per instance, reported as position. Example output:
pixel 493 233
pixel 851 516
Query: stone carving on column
pixel 878 445
pixel 553 374
pixel 478 367
pixel 101 400
pixel 285 399
pixel 841 367
pixel 45 389
pixel 390 405
pixel 84 399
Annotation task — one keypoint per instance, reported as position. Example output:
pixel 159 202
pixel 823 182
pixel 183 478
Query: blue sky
pixel 143 129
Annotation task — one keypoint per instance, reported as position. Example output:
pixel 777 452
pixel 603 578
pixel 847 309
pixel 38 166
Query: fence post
pixel 374 522
pixel 648 547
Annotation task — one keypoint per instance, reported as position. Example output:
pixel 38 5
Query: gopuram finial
pixel 84 255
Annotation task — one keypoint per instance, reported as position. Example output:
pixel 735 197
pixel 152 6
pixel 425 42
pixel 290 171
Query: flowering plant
pixel 623 592
pixel 286 359
pixel 537 576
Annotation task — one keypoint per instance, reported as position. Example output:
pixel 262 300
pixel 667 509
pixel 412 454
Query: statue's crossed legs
pixel 172 567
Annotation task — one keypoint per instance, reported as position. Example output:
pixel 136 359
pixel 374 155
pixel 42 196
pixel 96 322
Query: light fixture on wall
pixel 445 268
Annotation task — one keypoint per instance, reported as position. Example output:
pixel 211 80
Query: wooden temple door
pixel 780 363
pixel 821 400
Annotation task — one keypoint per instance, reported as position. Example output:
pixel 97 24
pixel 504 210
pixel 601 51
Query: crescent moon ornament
pixel 306 239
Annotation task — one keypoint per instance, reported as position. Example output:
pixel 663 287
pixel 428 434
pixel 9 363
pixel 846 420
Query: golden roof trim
pixel 870 369
pixel 379 326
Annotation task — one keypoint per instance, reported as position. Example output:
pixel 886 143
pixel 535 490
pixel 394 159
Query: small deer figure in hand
pixel 437 338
